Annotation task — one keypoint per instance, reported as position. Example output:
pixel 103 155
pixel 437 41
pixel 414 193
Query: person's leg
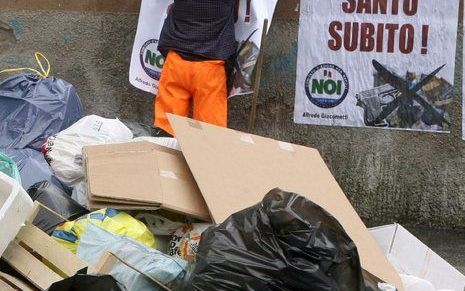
pixel 210 93
pixel 173 96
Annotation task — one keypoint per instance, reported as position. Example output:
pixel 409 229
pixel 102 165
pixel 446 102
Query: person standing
pixel 197 39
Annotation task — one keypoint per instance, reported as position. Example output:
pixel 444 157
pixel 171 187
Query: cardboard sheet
pixel 142 173
pixel 235 170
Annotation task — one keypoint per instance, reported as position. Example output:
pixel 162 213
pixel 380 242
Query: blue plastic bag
pixel 33 108
pixel 33 168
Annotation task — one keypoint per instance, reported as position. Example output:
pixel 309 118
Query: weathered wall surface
pixel 388 175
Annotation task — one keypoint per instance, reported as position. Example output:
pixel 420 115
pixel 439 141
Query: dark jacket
pixel 200 29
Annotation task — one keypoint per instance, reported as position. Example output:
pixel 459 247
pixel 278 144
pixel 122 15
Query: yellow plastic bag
pixel 114 221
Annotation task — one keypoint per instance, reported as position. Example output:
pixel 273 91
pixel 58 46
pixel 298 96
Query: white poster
pixel 147 62
pixel 377 63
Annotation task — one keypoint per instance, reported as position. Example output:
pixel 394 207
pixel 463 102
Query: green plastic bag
pixel 8 166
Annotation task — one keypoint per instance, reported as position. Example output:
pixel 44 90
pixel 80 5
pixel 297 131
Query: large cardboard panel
pixel 235 170
pixel 141 173
pixel 412 257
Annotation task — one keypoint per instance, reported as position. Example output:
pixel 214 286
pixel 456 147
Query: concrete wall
pixel 388 175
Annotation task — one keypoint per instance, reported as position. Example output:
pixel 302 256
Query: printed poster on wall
pixel 377 63
pixel 147 62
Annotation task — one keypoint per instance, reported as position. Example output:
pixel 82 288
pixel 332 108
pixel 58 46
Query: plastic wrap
pixel 33 168
pixel 284 243
pixel 34 109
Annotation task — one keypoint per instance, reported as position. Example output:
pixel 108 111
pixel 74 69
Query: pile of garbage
pixel 116 208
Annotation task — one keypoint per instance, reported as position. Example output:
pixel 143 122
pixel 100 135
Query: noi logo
pixel 151 59
pixel 326 86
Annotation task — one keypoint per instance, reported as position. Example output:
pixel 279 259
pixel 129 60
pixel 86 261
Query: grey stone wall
pixel 388 175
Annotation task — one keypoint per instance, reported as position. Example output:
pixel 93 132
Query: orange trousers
pixel 182 81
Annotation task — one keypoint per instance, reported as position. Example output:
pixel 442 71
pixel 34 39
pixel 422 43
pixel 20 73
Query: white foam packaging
pixel 411 257
pixel 15 207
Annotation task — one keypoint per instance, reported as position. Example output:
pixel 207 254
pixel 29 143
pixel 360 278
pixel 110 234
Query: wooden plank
pixel 29 266
pixel 4 286
pixel 15 282
pixel 105 265
pixel 286 9
pixel 258 78
pixel 51 250
pixel 108 262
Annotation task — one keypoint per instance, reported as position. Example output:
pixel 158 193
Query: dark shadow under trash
pixel 286 242
pixel 88 283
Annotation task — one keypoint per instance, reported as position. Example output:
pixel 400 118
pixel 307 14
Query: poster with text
pixel 377 63
pixel 147 62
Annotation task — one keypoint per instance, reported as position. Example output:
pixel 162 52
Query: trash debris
pixel 55 199
pixel 412 283
pixel 165 181
pixel 84 282
pixel 33 168
pixel 15 207
pixel 10 283
pixel 138 129
pixel 168 142
pixel 34 108
pixel 64 150
pixel 135 261
pixel 117 222
pixel 38 257
pixel 160 225
pixel 185 241
pixel 412 257
pixel 233 169
pixel 8 166
pixel 284 243
pixel 79 194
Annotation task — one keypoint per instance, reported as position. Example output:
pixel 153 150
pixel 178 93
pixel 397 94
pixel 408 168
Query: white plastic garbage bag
pixel 64 150
pixel 412 283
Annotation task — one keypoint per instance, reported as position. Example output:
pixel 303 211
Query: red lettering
pixel 380 38
pixel 410 7
pixel 380 6
pixel 335 44
pixel 395 7
pixel 364 6
pixel 349 6
pixel 367 41
pixel 407 36
pixel 351 36
pixel 392 29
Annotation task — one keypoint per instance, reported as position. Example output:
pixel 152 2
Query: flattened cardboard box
pixel 235 170
pixel 142 173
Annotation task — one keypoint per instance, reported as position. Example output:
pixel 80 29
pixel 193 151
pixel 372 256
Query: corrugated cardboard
pixel 142 173
pixel 235 170
pixel 412 257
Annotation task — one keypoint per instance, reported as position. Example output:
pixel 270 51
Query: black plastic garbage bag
pixel 32 109
pixel 57 200
pixel 33 168
pixel 88 283
pixel 284 243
